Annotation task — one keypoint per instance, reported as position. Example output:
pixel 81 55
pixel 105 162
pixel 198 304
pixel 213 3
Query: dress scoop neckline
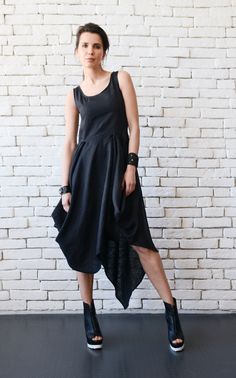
pixel 99 92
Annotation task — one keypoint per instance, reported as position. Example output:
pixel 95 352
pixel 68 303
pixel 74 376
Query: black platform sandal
pixel 92 328
pixel 174 327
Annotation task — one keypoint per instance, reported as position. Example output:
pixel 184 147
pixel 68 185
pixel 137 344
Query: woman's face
pixel 90 49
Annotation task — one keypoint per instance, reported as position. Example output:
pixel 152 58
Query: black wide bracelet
pixel 64 189
pixel 132 159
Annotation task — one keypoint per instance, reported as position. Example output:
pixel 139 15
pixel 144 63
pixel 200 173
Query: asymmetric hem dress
pixel 102 223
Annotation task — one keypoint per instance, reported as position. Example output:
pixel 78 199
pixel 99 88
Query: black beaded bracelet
pixel 132 159
pixel 64 189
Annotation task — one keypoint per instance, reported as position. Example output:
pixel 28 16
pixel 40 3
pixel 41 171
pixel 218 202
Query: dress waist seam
pixel 101 136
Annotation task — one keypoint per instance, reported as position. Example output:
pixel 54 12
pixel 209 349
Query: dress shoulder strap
pixel 115 76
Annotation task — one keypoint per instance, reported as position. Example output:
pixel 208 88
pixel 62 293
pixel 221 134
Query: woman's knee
pixel 146 254
pixel 141 250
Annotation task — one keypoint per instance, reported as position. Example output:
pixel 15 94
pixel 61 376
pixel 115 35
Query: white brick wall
pixel 181 55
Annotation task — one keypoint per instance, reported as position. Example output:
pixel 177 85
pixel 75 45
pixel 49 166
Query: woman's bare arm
pixel 70 142
pixel 131 108
pixel 71 130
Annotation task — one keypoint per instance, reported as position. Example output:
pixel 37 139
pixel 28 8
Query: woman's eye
pixel 96 46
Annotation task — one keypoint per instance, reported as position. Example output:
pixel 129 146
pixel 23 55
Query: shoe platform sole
pixel 177 349
pixel 91 346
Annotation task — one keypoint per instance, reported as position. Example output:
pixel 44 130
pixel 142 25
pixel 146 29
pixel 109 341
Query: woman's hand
pixel 129 180
pixel 66 200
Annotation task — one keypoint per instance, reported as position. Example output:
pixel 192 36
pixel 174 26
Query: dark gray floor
pixel 135 346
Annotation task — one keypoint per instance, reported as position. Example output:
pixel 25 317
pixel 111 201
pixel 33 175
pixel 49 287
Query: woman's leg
pixel 153 267
pixel 86 290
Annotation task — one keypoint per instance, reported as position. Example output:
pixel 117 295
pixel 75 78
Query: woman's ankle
pixel 88 301
pixel 169 300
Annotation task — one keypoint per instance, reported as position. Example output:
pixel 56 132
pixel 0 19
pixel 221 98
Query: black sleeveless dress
pixel 102 222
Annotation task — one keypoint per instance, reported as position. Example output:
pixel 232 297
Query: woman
pixel 101 216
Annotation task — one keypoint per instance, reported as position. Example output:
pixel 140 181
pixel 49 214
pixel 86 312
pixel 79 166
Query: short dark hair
pixel 90 27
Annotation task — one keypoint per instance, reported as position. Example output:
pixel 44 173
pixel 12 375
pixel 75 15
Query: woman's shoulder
pixel 123 75
pixel 70 98
pixel 124 78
